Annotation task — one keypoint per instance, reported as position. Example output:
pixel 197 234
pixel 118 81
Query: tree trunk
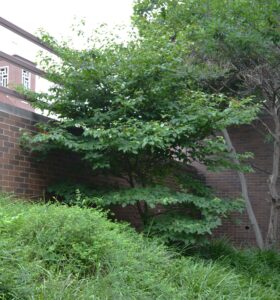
pixel 271 239
pixel 272 234
pixel 244 190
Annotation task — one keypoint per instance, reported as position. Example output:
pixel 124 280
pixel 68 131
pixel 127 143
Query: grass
pixel 58 252
pixel 262 266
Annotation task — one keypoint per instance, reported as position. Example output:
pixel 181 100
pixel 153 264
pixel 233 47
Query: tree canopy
pixel 132 101
pixel 129 108
pixel 235 51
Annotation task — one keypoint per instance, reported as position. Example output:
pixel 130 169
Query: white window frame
pixel 1 79
pixel 26 79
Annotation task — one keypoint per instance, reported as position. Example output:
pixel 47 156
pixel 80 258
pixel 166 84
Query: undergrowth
pixel 260 265
pixel 58 252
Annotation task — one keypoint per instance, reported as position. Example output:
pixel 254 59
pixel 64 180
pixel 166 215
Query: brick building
pixel 12 76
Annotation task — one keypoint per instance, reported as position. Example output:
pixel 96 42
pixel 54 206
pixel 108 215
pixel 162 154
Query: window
pixel 26 79
pixel 4 76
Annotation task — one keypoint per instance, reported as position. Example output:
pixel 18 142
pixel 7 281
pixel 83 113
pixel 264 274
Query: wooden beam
pixel 22 64
pixel 21 32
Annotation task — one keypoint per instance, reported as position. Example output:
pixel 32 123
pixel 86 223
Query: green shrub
pixel 58 252
pixel 174 217
pixel 179 218
pixel 69 193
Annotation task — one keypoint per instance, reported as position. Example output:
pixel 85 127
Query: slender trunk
pixel 141 211
pixel 141 206
pixel 272 234
pixel 244 190
pixel 271 239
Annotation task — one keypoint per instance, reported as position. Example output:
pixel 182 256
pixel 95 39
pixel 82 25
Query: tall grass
pixel 55 252
pixel 262 266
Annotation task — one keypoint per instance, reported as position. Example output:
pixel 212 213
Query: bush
pixel 58 252
pixel 177 218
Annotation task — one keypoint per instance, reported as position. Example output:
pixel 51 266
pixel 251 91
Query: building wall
pixel 15 79
pixel 24 175
pixel 226 184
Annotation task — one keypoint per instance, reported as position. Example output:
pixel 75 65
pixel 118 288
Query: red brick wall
pixel 25 176
pixel 226 184
pixel 15 75
pixel 22 174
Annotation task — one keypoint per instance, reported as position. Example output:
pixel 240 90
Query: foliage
pixel 225 43
pixel 57 252
pixel 174 217
pixel 235 51
pixel 69 193
pixel 126 108
pixel 263 266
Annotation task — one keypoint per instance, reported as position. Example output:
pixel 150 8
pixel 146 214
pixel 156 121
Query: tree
pixel 124 108
pixel 235 51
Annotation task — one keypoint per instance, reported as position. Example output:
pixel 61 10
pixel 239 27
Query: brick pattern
pixel 15 75
pixel 24 174
pixel 226 184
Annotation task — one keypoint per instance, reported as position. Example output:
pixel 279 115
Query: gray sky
pixel 57 17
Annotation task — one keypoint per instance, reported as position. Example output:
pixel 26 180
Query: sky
pixel 57 18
